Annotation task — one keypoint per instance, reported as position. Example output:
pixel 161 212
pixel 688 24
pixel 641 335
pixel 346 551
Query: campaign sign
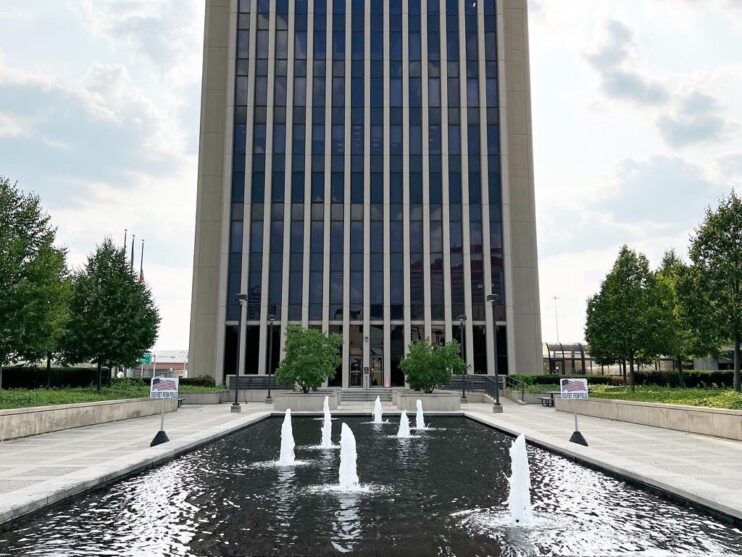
pixel 164 387
pixel 573 388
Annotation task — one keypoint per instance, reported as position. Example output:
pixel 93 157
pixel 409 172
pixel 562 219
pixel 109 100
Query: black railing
pixel 516 385
pixel 473 383
pixel 491 387
pixel 257 383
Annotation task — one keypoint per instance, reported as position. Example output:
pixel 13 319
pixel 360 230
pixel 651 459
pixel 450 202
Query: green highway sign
pixel 146 358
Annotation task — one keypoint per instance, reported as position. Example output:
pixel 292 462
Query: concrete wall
pixel 305 402
pixel 707 421
pixel 22 422
pixel 519 207
pixel 215 148
pixel 440 401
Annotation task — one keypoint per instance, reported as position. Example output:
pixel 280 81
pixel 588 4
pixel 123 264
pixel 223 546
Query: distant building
pixel 164 361
pixel 365 168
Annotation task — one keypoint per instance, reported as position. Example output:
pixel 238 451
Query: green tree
pixel 113 318
pixel 685 334
pixel 426 366
pixel 625 320
pixel 33 284
pixel 310 357
pixel 716 254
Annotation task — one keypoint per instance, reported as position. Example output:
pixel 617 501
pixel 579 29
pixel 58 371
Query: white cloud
pixel 12 126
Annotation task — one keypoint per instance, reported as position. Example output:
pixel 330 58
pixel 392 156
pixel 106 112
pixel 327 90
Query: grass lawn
pixel 21 398
pixel 713 398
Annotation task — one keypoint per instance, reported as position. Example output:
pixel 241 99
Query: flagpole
pixel 141 263
pixel 131 262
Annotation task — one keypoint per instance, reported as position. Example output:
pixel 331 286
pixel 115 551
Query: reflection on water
pixel 442 493
pixel 346 525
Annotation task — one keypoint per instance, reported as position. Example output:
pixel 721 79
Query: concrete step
pixel 365 395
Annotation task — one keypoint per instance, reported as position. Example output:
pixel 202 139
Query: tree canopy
pixel 426 366
pixel 113 318
pixel 625 322
pixel 716 254
pixel 33 279
pixel 310 357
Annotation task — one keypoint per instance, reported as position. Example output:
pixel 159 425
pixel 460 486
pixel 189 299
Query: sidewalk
pixel 38 471
pixel 703 469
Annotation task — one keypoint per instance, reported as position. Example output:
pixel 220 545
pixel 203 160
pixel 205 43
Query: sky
pixel 637 108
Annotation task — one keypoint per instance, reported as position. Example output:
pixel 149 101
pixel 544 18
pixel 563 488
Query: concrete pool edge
pixel 34 498
pixel 643 474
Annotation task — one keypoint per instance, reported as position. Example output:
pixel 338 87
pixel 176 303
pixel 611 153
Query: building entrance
pixel 377 371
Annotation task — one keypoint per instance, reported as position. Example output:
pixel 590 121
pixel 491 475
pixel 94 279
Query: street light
pixel 494 299
pixel 242 299
pixel 271 319
pixel 462 319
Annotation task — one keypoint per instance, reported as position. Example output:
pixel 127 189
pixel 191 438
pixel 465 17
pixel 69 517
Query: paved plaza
pixel 43 469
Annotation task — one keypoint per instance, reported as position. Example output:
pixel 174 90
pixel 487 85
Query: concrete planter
pixel 202 398
pixel 437 401
pixel 305 402
pixel 692 419
pixel 22 422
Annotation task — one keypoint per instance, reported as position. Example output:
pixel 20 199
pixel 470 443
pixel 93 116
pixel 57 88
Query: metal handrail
pixel 516 385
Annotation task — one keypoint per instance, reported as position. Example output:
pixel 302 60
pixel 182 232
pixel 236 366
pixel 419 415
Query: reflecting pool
pixel 442 492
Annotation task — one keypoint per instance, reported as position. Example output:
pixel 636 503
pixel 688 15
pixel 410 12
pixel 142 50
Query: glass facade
pixel 366 188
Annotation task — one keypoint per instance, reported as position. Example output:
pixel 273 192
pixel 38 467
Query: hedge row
pixel 35 377
pixel 692 378
pixel 200 381
pixel 658 378
pixel 554 379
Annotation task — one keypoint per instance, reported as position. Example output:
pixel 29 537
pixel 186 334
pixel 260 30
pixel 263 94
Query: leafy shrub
pixel 692 378
pixel 32 377
pixel 199 381
pixel 310 357
pixel 554 379
pixel 426 367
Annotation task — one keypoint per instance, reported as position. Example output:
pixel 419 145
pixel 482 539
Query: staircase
pixel 366 395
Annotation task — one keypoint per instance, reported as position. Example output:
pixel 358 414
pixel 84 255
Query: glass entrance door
pixel 377 371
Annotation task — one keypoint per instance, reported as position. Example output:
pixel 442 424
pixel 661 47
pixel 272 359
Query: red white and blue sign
pixel 573 388
pixel 164 387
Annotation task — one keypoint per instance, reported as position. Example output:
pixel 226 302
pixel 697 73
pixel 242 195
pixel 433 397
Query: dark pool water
pixel 443 493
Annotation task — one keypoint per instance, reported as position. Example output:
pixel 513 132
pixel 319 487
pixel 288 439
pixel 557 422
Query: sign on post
pixel 146 358
pixel 574 389
pixel 162 388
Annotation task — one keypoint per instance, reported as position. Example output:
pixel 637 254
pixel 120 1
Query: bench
pixel 180 402
pixel 547 401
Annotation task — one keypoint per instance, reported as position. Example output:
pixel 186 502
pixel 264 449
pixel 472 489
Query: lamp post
pixel 493 299
pixel 462 319
pixel 271 319
pixel 242 299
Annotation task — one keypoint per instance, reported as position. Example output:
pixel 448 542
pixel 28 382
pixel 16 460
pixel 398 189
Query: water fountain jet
pixel 327 426
pixel 378 411
pixel 404 426
pixel 347 472
pixel 287 457
pixel 419 418
pixel 519 498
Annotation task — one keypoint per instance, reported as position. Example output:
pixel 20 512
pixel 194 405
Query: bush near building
pixel 33 377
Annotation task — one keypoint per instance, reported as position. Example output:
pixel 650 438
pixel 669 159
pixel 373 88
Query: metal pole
pixel 242 299
pixel 162 415
pixel 462 318
pixel 497 407
pixel 268 399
